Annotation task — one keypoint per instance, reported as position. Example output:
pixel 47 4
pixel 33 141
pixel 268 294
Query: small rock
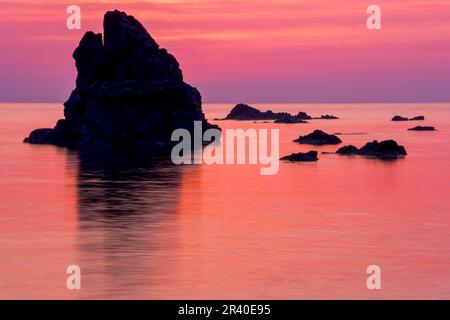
pixel 418 118
pixel 422 128
pixel 328 117
pixel 303 116
pixel 289 119
pixel 302 157
pixel 243 111
pixel 318 138
pixel 386 150
pixel 399 118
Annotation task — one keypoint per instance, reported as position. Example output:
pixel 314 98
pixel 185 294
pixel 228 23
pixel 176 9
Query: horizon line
pixel 265 102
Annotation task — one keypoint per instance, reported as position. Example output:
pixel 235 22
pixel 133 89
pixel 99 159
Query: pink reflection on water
pixel 145 230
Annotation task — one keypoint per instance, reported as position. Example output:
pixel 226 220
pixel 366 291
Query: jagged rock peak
pixel 127 52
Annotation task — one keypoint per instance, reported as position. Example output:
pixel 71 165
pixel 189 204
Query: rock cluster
pixel 128 91
pixel 245 112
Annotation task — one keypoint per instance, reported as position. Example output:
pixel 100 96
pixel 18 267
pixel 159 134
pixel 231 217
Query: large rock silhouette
pixel 128 91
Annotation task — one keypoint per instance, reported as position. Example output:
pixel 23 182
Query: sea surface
pixel 140 227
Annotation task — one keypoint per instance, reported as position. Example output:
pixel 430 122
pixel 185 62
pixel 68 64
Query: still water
pixel 140 227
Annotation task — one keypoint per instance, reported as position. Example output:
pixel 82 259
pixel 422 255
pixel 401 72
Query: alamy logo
pixel 229 148
pixel 74 20
pixel 73 282
pixel 374 280
pixel 374 20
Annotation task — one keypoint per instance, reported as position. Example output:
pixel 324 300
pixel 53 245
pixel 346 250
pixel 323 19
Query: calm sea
pixel 140 227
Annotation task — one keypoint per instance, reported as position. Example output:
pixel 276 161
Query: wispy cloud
pixel 218 40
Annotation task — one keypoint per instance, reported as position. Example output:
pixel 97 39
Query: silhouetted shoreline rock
pixel 318 138
pixel 129 91
pixel 422 128
pixel 302 157
pixel 385 150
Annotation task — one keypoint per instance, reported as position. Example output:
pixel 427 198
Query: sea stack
pixel 129 91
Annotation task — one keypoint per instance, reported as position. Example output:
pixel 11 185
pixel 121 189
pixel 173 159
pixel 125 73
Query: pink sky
pixel 250 51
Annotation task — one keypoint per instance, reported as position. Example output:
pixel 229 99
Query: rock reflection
pixel 114 183
pixel 126 203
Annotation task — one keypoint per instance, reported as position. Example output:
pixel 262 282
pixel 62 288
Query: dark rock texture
pixel 318 138
pixel 399 118
pixel 422 128
pixel 418 118
pixel 245 112
pixel 302 157
pixel 129 91
pixel 385 150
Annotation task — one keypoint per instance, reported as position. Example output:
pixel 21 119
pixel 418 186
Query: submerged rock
pixel 418 118
pixel 318 138
pixel 385 150
pixel 302 157
pixel 128 91
pixel 422 128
